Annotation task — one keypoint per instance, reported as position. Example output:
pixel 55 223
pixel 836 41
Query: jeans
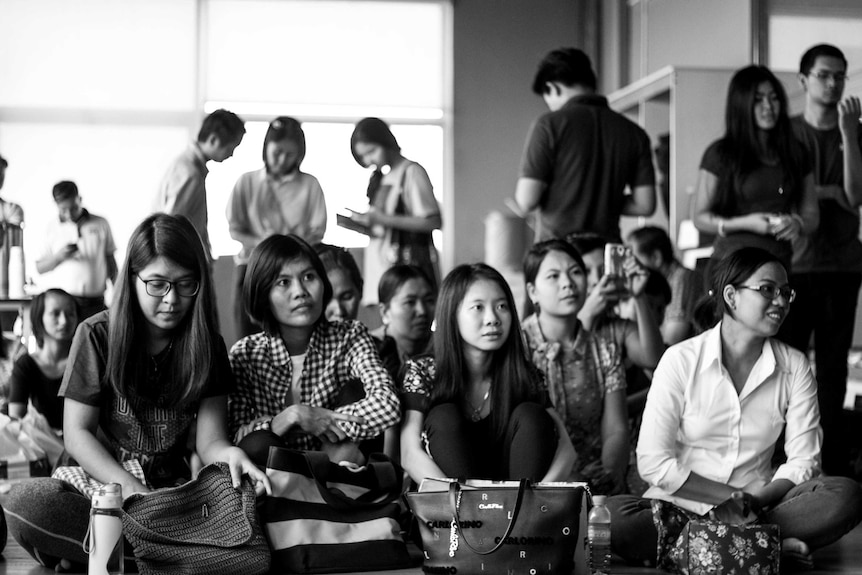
pixel 469 450
pixel 818 512
pixel 826 305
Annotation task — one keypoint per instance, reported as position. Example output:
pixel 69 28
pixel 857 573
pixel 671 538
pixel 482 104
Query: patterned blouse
pixel 338 354
pixel 578 379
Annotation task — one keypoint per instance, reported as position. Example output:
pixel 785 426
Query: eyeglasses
pixel 771 292
pixel 160 288
pixel 838 77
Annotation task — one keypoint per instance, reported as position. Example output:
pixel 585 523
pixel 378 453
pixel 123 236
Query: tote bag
pixel 324 517
pixel 514 528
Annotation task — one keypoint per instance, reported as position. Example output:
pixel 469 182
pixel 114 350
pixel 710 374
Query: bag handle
pixel 454 500
pixel 390 488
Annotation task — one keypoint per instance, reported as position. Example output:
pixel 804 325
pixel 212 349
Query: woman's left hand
pixel 240 465
pixel 740 508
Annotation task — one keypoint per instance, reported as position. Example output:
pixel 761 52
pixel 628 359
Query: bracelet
pixel 721 231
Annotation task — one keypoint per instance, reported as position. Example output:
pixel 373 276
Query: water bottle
pixel 106 531
pixel 599 535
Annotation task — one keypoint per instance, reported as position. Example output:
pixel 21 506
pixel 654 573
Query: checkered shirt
pixel 338 353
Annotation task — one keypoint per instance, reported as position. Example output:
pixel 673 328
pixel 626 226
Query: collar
pixel 586 100
pixel 198 155
pixel 278 349
pixel 711 354
pixel 281 179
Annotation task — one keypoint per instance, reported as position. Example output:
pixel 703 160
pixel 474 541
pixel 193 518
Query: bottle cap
pixel 600 499
pixel 109 496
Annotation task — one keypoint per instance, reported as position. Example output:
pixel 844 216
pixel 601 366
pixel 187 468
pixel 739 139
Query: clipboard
pixel 347 223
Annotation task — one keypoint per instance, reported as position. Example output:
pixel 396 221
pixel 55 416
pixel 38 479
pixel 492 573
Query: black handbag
pixel 516 528
pixel 324 517
pixel 205 526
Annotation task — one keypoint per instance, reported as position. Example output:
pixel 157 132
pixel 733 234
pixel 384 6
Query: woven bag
pixel 205 526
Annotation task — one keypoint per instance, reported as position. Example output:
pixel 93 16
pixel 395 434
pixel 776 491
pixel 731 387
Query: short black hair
pixel 225 125
pixel 809 58
pixel 264 265
pixel 64 190
pixel 568 66
pixel 3 162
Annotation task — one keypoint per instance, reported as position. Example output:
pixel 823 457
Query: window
pixel 108 93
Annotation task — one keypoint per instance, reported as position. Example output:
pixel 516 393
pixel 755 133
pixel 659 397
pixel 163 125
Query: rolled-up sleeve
pixel 657 452
pixel 803 436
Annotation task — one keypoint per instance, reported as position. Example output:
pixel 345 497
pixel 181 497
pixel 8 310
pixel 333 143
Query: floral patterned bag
pixel 690 544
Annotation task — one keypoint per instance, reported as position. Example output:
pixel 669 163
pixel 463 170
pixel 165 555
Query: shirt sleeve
pixel 241 404
pixel 418 192
pixel 179 192
pixel 802 434
pixel 380 408
pixel 611 364
pixel 317 219
pixel 19 381
pixel 85 369
pixel 236 211
pixel 417 385
pixel 657 458
pixel 537 161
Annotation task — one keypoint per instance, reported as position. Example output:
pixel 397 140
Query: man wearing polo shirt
pixel 581 156
pixel 79 252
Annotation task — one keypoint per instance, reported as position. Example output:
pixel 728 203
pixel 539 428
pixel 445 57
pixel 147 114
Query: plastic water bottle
pixel 599 535
pixel 106 531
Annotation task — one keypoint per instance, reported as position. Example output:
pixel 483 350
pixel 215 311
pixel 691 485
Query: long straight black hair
pixel 194 339
pixel 514 379
pixel 740 150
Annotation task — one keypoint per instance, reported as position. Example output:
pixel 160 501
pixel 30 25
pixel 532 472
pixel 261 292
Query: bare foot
pixel 796 555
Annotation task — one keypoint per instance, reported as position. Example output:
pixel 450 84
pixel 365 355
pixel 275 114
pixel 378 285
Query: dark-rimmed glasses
pixel 160 288
pixel 771 292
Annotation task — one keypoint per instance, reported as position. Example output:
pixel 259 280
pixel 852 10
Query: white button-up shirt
pixel 695 421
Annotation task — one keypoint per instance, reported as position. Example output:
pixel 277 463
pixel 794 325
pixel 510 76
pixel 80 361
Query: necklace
pixel 160 358
pixel 476 412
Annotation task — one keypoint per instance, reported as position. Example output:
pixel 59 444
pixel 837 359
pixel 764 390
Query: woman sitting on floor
pixel 37 376
pixel 583 369
pixel 141 378
pixel 292 376
pixel 478 408
pixel 717 406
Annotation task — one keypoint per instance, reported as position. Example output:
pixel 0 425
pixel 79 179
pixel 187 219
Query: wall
pixel 497 46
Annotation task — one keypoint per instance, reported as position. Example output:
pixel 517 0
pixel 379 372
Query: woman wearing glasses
pixel 755 186
pixel 142 379
pixel 716 408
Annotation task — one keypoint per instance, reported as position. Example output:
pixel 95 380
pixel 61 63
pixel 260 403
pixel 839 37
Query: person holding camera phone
pixel 640 339
pixel 78 256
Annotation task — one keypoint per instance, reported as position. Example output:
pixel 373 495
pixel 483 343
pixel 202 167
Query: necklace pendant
pixel 780 190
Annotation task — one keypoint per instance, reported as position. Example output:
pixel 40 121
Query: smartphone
pixel 615 257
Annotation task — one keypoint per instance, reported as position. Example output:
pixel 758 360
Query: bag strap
pixel 389 487
pixel 454 499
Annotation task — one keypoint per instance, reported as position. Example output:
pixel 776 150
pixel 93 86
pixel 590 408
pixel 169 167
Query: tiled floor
pixel 842 557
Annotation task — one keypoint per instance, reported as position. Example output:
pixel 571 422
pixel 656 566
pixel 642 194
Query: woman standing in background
pixel 402 209
pixel 276 199
pixel 755 186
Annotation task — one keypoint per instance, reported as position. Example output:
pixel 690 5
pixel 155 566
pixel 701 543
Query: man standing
pixel 183 190
pixel 79 253
pixel 581 156
pixel 827 265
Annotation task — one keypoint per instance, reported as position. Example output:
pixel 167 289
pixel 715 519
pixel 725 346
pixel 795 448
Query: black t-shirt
pixel 29 383
pixel 148 429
